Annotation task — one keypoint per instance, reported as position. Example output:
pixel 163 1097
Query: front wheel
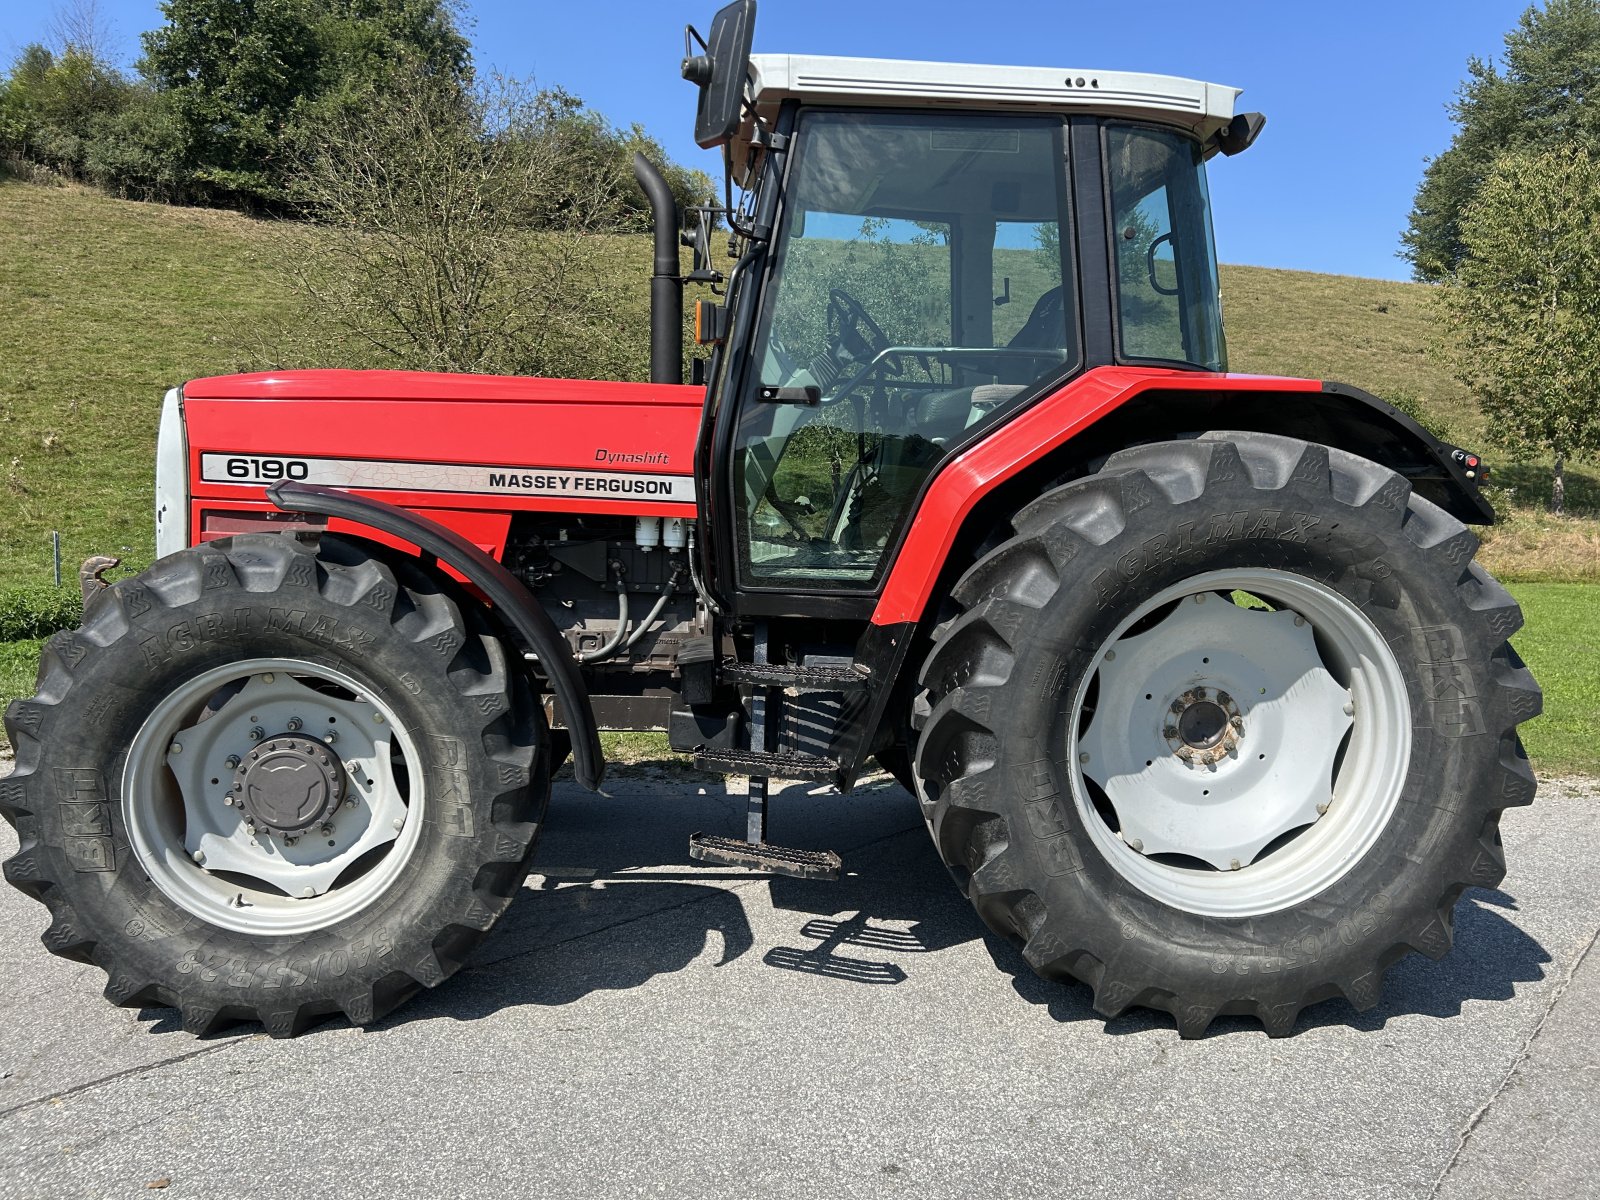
pixel 1226 729
pixel 274 780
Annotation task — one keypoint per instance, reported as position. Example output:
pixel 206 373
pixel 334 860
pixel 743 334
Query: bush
pixel 36 612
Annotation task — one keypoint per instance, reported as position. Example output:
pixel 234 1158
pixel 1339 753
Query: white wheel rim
pixel 209 849
pixel 1205 742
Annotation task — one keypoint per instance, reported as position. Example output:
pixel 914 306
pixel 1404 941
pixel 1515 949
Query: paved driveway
pixel 639 1026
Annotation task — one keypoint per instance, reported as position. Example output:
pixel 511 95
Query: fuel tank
pixel 468 450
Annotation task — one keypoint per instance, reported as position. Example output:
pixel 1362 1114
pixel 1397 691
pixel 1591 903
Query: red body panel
pixel 607 430
pixel 964 481
pixel 608 436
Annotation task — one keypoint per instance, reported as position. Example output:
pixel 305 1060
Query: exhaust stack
pixel 666 286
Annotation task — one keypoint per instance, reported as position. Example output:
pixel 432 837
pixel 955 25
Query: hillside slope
pixel 109 302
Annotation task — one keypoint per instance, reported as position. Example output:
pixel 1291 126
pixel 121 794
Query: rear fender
pixel 506 593
pixel 1110 409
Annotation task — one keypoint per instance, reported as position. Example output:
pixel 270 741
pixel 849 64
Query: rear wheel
pixel 1226 728
pixel 273 780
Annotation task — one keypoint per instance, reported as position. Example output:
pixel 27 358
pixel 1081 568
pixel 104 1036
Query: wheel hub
pixel 1204 727
pixel 290 784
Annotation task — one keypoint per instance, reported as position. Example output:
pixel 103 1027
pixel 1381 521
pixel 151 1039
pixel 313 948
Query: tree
pixel 1522 310
pixel 52 102
pixel 80 25
pixel 1547 96
pixel 427 252
pixel 247 80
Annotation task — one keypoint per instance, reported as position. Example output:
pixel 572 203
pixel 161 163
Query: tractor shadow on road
pixel 616 902
pixel 1491 956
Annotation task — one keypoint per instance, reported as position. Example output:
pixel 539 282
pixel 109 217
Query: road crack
pixel 129 1073
pixel 1517 1063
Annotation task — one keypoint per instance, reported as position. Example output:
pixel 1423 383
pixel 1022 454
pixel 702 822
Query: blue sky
pixel 1355 92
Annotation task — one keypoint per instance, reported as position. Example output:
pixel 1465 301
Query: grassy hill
pixel 107 303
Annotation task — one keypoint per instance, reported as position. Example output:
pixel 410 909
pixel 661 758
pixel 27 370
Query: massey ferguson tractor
pixel 1202 695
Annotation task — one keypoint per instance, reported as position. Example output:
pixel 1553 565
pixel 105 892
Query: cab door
pixel 917 291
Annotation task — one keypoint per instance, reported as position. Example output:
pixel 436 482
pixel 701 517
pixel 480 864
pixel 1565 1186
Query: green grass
pixel 1561 644
pixel 18 662
pixel 108 303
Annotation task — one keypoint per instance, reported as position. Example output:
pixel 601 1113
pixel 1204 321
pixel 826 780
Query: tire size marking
pixel 245 973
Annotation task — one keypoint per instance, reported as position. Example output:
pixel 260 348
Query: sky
pixel 1355 91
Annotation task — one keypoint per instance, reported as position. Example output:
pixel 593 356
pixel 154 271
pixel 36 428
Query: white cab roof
pixel 1203 108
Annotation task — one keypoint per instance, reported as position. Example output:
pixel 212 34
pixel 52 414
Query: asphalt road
pixel 641 1027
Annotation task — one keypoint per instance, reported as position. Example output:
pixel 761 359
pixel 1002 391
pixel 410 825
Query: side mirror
pixel 720 73
pixel 1241 133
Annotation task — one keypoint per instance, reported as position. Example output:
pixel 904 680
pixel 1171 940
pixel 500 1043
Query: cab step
pixel 765 764
pixel 793 678
pixel 761 856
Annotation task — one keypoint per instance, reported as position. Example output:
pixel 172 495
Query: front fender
pixel 509 597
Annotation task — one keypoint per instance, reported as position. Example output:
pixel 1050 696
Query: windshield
pixel 916 293
pixel 1168 299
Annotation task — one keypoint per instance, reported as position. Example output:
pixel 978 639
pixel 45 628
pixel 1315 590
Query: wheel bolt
pixel 327 831
pixel 289 841
pixel 228 800
pixel 257 734
pixel 330 738
pixel 1083 758
pixel 398 822
pixel 1350 708
pixel 1233 864
pixel 233 762
pixel 296 724
pixel 1135 845
pixel 307 893
pixel 267 678
pixel 378 717
pixel 1322 810
pixel 1111 656
pixel 200 857
pixel 176 749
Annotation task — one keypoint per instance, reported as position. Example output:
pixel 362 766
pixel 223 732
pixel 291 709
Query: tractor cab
pixel 924 249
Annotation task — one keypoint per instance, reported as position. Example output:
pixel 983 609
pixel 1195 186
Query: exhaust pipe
pixel 666 287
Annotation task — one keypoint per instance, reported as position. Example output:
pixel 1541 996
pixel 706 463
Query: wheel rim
pixel 1239 742
pixel 273 796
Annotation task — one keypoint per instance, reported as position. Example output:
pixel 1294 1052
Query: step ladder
pixel 763 765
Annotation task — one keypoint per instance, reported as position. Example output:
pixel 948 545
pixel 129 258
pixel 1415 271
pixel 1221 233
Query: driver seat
pixel 942 416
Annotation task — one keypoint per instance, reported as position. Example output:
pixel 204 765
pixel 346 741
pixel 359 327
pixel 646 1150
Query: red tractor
pixel 1193 674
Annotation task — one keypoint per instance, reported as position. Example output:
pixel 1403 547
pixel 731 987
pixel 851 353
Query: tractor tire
pixel 1225 728
pixel 275 780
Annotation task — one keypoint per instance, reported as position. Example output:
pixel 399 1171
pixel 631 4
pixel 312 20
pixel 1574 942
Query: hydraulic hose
pixel 611 647
pixel 661 603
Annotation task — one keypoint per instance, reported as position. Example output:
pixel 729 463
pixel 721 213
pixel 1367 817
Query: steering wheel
pixel 854 332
